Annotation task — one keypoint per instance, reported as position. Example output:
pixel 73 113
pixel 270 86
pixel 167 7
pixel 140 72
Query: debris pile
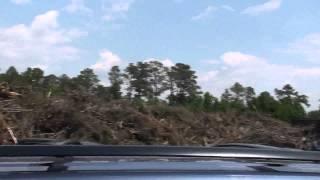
pixel 7 107
pixel 82 117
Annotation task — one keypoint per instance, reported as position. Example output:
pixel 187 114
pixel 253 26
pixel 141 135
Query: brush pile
pixel 82 117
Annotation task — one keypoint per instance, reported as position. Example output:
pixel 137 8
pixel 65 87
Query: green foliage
pixel 237 98
pixel 67 83
pixel 266 103
pixel 238 92
pixel 226 99
pixel 287 112
pixel 250 98
pixel 158 79
pixel 290 103
pixel 33 76
pixel 136 76
pixel 52 85
pixel 195 103
pixel 209 102
pixel 11 75
pixel 183 84
pixel 147 80
pixel 314 115
pixel 87 79
pixel 104 93
pixel 115 78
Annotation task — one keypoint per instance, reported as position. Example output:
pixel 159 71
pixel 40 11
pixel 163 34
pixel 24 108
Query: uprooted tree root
pixel 119 122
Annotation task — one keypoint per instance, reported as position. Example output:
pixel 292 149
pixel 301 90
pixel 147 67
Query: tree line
pixel 152 82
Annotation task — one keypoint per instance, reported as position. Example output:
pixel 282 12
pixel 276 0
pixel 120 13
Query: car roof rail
pixel 161 151
pixel 255 146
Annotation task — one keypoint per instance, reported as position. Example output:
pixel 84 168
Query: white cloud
pixel 21 2
pixel 309 47
pixel 312 72
pixel 45 22
pixel 77 6
pixel 106 61
pixel 257 72
pixel 239 59
pixel 204 14
pixel 42 42
pixel 115 9
pixel 269 6
pixel 228 8
pixel 207 76
pixel 166 62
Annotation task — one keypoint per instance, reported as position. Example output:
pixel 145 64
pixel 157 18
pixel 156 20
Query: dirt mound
pixel 120 122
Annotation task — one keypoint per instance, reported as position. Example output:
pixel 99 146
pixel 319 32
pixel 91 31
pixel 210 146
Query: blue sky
pixel 260 43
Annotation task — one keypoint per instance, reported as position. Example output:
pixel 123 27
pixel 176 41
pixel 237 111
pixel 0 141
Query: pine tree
pixel 87 80
pixel 209 102
pixel 137 78
pixel 116 81
pixel 185 84
pixel 291 103
pixel 159 80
